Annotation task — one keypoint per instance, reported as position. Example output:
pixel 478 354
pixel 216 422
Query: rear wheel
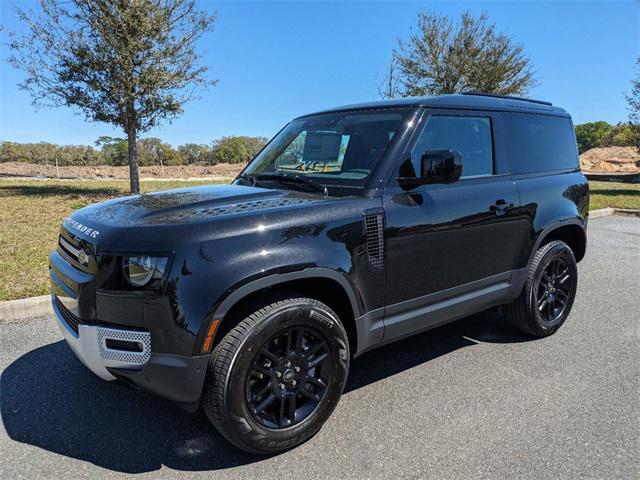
pixel 550 288
pixel 276 377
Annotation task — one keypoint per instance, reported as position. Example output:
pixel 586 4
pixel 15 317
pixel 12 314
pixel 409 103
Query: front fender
pixel 237 293
pixel 257 265
pixel 245 254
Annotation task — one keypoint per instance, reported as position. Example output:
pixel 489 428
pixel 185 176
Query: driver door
pixel 450 247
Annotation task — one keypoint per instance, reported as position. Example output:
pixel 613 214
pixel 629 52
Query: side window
pixel 539 143
pixel 471 136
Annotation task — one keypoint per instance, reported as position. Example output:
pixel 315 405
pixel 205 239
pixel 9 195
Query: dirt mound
pixel 223 170
pixel 611 159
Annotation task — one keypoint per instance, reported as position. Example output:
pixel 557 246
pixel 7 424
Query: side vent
pixel 374 238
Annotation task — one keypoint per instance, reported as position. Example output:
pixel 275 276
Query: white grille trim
pixel 89 345
pixel 114 358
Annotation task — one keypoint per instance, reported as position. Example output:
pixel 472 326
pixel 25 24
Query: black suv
pixel 354 227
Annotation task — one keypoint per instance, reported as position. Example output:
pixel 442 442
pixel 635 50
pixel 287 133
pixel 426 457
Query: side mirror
pixel 436 166
pixel 441 166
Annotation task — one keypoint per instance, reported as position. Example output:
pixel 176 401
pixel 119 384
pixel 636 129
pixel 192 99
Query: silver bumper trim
pixel 89 345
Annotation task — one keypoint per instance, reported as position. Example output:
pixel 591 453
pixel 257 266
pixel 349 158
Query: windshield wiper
pixel 300 179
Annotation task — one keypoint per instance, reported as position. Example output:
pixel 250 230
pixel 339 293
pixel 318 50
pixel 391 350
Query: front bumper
pixel 90 345
pixel 177 378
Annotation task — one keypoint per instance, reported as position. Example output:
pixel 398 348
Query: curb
pixel 605 212
pixel 627 212
pixel 601 212
pixel 622 177
pixel 13 310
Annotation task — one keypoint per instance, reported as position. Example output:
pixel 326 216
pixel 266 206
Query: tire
pixel 269 354
pixel 546 299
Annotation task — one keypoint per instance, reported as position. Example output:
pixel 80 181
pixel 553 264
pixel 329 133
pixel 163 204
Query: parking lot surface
pixel 474 399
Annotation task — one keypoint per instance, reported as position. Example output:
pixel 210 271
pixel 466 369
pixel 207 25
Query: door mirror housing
pixel 436 166
pixel 441 166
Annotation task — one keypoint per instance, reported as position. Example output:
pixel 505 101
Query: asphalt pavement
pixel 474 399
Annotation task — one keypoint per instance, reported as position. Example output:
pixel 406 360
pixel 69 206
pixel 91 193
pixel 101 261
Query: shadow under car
pixel 50 400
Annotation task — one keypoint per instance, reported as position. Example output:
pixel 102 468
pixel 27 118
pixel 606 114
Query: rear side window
pixel 539 143
pixel 471 136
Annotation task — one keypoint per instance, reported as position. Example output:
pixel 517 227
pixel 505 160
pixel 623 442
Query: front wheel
pixel 550 288
pixel 277 376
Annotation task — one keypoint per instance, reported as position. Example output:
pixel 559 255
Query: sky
pixel 278 60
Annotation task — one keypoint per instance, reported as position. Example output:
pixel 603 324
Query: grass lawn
pixel 611 194
pixel 31 212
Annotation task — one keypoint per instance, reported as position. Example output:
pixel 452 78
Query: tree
pixel 621 135
pixel 130 63
pixel 48 153
pixel 445 56
pixel 389 86
pixel 171 156
pixel 254 145
pixel 236 149
pixel 230 150
pixel 153 152
pixel 149 152
pixel 195 153
pixel 115 151
pixel 633 97
pixel 633 102
pixel 602 134
pixel 590 135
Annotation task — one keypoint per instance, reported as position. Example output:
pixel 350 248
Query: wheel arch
pixel 571 231
pixel 323 284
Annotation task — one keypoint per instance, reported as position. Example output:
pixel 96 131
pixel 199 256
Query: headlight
pixel 141 270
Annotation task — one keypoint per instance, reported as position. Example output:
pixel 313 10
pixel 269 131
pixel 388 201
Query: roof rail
pixel 495 95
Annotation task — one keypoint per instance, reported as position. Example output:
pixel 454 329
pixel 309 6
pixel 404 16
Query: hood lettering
pixel 72 224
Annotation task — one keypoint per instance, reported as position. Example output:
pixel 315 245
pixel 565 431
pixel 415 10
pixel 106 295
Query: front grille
pixel 74 252
pixel 68 317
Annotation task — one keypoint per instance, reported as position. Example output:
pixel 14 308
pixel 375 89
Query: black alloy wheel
pixel 548 292
pixel 553 289
pixel 277 375
pixel 289 377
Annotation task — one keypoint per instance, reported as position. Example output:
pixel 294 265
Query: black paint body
pixel 450 249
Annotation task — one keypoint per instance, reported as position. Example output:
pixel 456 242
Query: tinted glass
pixel 471 136
pixel 338 149
pixel 539 143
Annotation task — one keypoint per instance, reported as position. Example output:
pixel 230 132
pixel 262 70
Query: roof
pixel 470 100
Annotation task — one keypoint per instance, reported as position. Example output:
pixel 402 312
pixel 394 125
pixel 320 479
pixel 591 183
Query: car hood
pixel 186 205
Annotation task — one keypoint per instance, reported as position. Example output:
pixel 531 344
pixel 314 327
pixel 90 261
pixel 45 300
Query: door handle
pixel 500 207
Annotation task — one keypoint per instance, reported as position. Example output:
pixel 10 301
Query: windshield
pixel 332 149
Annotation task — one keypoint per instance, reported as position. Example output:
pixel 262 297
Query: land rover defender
pixel 354 227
